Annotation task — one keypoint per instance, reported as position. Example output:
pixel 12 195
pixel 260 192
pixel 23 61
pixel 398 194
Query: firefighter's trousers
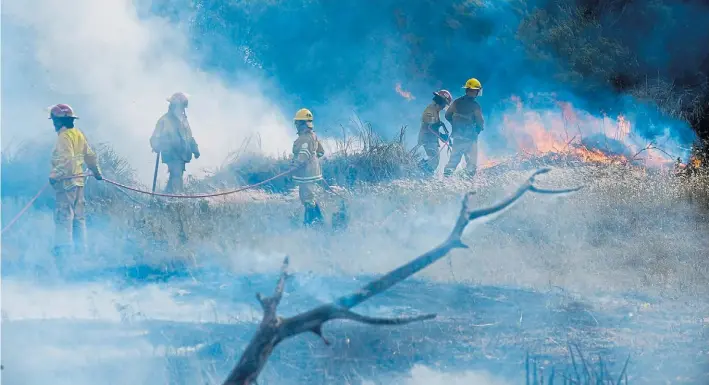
pixel 306 193
pixel 463 147
pixel 433 152
pixel 70 220
pixel 175 182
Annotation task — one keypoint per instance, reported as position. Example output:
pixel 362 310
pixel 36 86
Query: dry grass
pixel 364 157
pixel 139 230
pixel 581 371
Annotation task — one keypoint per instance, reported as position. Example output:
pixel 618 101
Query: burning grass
pixel 560 133
pixel 364 163
pixel 631 231
pixel 628 172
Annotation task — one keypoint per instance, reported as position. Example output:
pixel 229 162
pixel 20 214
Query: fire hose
pixel 120 185
pixel 197 196
pixel 446 143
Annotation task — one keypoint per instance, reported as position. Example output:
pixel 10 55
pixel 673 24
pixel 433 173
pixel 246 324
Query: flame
pixel 484 161
pixel 559 133
pixel 404 94
pixel 693 163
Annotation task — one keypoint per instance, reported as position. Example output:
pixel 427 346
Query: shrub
pixel 363 158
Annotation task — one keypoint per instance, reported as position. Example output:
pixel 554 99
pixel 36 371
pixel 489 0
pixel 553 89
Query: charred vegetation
pixel 274 329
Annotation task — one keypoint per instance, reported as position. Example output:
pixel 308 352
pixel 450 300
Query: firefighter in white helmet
pixel 307 151
pixel 173 139
pixel 467 123
pixel 430 131
pixel 71 153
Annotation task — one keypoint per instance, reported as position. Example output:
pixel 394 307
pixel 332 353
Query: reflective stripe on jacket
pixel 429 119
pixel 71 153
pixel 466 117
pixel 308 149
pixel 172 137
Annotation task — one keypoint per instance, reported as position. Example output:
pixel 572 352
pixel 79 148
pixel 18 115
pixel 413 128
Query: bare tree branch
pixel 274 329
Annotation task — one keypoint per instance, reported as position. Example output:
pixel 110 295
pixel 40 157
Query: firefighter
pixel 307 151
pixel 467 123
pixel 430 131
pixel 173 140
pixel 70 154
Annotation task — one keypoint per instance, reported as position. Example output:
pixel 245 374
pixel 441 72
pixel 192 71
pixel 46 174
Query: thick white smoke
pixel 116 67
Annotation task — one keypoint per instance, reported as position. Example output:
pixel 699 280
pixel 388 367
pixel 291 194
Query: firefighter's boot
pixel 313 215
pixel 62 257
pixel 317 215
pixel 425 166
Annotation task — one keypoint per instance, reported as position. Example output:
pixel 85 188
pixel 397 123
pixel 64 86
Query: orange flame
pixel 404 94
pixel 484 161
pixel 560 132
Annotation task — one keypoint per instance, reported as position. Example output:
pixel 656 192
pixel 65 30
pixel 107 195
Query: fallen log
pixel 274 329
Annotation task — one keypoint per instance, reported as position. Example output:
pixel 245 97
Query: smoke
pixel 384 65
pixel 116 62
pixel 626 256
pixel 116 66
pixel 421 375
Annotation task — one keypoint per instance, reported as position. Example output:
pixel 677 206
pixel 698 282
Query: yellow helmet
pixel 306 115
pixel 473 83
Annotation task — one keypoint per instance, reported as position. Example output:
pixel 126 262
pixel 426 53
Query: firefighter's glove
pixel 445 138
pixel 53 181
pixel 195 149
pixel 320 154
pixel 98 175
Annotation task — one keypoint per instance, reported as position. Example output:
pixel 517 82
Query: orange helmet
pixel 61 111
pixel 178 98
pixel 445 95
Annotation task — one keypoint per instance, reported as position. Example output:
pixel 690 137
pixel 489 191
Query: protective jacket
pixel 466 118
pixel 430 124
pixel 173 139
pixel 307 149
pixel 70 154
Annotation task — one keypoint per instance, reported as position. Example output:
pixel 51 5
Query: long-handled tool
pixel 155 174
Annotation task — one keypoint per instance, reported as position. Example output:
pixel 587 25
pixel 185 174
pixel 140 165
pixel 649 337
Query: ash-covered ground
pixel 620 268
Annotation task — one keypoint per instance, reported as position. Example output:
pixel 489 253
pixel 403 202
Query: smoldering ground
pixel 618 267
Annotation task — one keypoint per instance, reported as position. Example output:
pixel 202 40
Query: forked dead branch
pixel 274 329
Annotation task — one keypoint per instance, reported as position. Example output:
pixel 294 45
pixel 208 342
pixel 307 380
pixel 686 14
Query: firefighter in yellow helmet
pixel 467 123
pixel 71 153
pixel 430 131
pixel 173 139
pixel 307 151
